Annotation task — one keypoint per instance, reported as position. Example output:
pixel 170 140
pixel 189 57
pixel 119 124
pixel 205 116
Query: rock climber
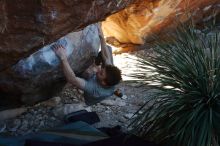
pixel 101 81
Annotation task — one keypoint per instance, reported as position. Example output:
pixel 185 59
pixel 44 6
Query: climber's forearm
pixel 70 75
pixel 106 52
pixel 68 72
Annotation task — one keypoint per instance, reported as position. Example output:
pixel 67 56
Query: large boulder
pixel 136 24
pixel 39 76
pixel 27 25
pixel 30 73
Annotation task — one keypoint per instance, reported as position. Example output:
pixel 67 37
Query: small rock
pixel 128 116
pixel 98 104
pixel 40 117
pixel 40 110
pixel 41 124
pixel 31 122
pixel 139 103
pixel 107 111
pixel 24 125
pixel 66 109
pixel 53 118
pixel 81 91
pixel 140 112
pixel 124 97
pixel 122 119
pixel 36 122
pixel 2 127
pixel 129 128
pixel 108 102
pixel 132 96
pixel 13 125
pixel 119 102
pixel 52 101
pixel 88 109
pixel 28 116
pixel 108 108
pixel 45 117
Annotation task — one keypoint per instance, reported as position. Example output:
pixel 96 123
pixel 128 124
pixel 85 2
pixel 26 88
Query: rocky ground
pixel 112 111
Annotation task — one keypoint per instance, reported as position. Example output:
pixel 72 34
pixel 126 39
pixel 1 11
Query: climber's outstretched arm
pixel 68 72
pixel 106 51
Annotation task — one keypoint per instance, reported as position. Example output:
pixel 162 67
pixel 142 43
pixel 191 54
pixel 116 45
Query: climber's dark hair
pixel 113 75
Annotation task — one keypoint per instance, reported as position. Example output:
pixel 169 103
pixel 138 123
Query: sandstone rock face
pixel 139 21
pixel 27 25
pixel 39 76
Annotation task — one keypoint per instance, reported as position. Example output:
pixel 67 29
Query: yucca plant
pixel 186 109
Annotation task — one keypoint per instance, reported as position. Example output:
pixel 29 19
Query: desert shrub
pixel 186 109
